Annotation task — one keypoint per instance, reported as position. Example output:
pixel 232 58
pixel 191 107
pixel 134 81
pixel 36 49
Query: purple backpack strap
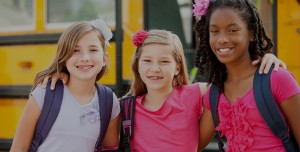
pixel 50 110
pixel 105 95
pixel 127 105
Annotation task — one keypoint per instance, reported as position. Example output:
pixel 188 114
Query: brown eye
pixel 233 30
pixel 146 60
pixel 213 31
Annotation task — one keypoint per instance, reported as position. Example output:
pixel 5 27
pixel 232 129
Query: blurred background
pixel 30 29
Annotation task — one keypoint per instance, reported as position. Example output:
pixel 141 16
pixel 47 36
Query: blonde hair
pixel 138 87
pixel 65 49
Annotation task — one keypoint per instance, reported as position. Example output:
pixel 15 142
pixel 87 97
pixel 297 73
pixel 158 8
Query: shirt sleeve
pixel 283 85
pixel 39 94
pixel 116 107
pixel 198 94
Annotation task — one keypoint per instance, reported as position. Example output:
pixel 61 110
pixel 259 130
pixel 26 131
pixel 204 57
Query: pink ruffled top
pixel 235 126
pixel 241 122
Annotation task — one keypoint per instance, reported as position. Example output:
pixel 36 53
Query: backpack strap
pixel 214 100
pixel 50 110
pixel 127 105
pixel 105 96
pixel 269 111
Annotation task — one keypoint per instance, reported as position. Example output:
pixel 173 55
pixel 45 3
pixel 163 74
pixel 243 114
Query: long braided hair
pixel 206 60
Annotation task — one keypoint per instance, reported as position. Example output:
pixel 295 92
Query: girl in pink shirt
pixel 231 37
pixel 167 108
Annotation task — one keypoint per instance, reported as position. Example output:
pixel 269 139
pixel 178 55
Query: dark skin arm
pixel 291 109
pixel 206 132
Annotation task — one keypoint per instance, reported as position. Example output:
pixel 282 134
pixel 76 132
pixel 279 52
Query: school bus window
pixel 185 7
pixel 16 15
pixel 69 11
pixel 265 9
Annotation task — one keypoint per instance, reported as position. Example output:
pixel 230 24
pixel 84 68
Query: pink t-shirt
pixel 173 127
pixel 241 122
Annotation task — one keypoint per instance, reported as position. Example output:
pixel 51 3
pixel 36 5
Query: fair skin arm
pixel 291 109
pixel 266 63
pixel 111 138
pixel 26 127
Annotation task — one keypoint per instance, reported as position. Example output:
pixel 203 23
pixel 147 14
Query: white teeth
pixel 224 50
pixel 84 67
pixel 154 78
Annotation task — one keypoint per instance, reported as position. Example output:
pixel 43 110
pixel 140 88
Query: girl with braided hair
pixel 230 36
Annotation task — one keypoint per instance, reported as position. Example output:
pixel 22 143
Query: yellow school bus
pixel 30 29
pixel 287 30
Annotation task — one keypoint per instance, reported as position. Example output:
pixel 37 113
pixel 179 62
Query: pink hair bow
pixel 200 8
pixel 139 37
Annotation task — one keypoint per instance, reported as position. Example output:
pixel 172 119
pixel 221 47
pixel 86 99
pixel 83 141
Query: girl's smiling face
pixel 229 36
pixel 157 67
pixel 88 58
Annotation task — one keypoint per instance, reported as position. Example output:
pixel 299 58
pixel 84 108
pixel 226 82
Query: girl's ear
pixel 105 59
pixel 251 36
pixel 177 69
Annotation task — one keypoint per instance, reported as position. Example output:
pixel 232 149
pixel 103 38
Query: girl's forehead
pixel 157 50
pixel 89 38
pixel 225 16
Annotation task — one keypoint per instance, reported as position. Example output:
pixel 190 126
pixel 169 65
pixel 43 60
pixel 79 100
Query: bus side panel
pixel 20 63
pixel 10 112
pixel 288 36
pixel 132 12
pixel 110 77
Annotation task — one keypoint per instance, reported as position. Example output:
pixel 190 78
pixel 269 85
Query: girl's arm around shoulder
pixel 206 126
pixel 111 139
pixel 26 126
